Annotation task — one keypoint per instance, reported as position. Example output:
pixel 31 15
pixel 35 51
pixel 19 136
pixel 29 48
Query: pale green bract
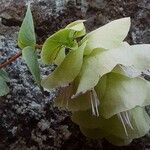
pixel 100 80
pixel 113 128
pixel 100 62
pixel 30 57
pixel 65 38
pixel 118 93
pixel 77 26
pixel 26 36
pixel 108 36
pixel 60 57
pixel 67 71
pixel 4 89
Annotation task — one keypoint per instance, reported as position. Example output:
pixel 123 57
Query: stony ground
pixel 28 119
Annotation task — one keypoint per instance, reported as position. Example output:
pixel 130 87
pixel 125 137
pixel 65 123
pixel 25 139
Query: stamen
pixel 94 102
pixel 124 117
pixel 92 105
pixel 128 120
pixel 122 121
pixel 96 107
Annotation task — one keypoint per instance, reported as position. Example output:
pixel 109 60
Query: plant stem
pixel 37 46
pixel 14 57
pixel 10 60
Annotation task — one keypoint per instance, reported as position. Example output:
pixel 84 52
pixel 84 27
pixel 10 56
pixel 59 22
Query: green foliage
pixel 30 57
pixel 3 85
pixel 26 35
pixel 27 42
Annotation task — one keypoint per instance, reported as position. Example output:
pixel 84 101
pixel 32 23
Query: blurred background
pixel 28 119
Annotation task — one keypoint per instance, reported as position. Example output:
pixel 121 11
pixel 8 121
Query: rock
pixel 1 41
pixel 52 15
pixel 29 121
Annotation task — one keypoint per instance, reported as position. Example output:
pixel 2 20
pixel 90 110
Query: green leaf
pixel 4 75
pixel 100 62
pixel 61 39
pixel 108 36
pixel 30 57
pixel 26 35
pixel 3 87
pixel 77 26
pixel 118 93
pixel 67 71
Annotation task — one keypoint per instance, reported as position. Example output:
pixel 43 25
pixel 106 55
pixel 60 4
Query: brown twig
pixel 14 57
pixel 10 60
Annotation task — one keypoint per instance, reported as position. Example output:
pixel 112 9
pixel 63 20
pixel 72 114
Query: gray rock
pixel 28 120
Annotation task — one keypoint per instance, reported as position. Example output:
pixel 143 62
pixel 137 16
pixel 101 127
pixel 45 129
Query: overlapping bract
pixel 64 38
pixel 115 129
pixel 70 67
pixel 105 99
pixel 119 93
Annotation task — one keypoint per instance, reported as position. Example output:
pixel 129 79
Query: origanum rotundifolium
pixel 96 77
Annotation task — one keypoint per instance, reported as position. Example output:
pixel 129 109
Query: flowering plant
pixel 96 74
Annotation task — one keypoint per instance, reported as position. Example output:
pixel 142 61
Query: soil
pixel 28 119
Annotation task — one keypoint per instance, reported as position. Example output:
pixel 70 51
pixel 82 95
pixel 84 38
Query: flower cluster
pixel 98 80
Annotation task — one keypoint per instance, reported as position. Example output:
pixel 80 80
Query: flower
pixel 106 100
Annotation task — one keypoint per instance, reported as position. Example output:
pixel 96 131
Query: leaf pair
pixel 27 42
